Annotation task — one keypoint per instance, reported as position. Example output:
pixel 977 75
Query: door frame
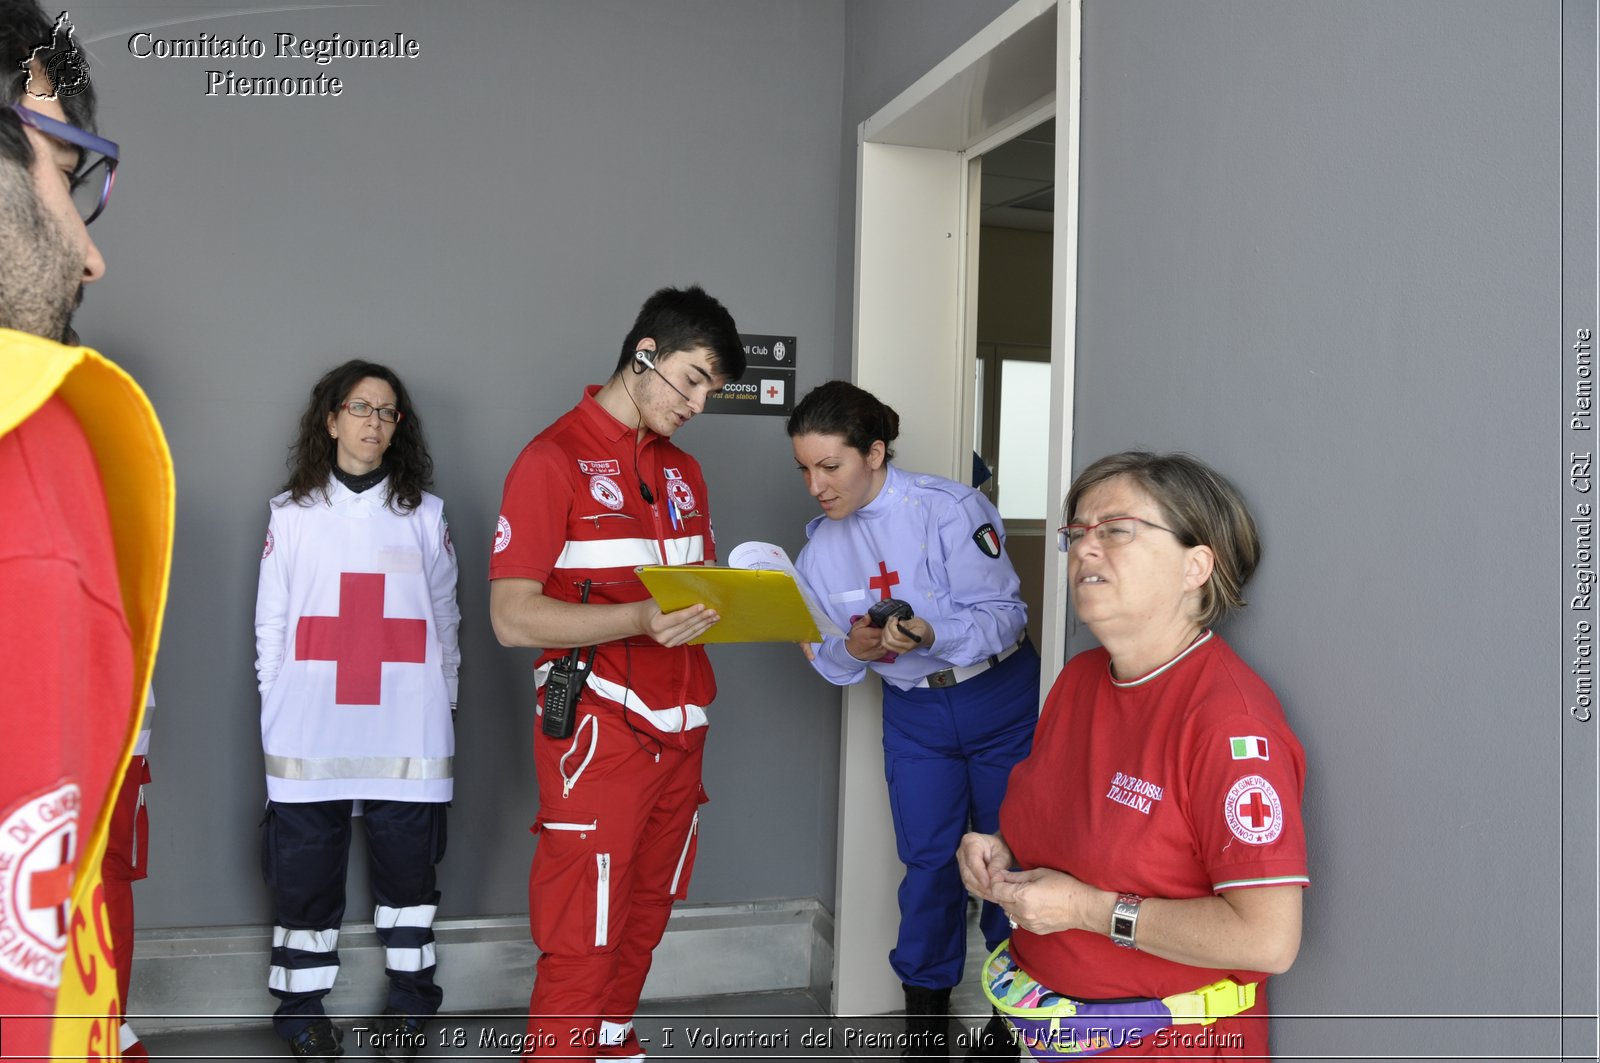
pixel 914 338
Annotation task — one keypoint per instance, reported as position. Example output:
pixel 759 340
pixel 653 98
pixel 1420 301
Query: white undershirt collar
pixel 1205 637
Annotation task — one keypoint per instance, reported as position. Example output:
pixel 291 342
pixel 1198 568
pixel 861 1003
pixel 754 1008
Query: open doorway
pixel 914 336
pixel 1011 379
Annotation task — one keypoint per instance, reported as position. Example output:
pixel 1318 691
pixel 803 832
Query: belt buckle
pixel 1221 1000
pixel 944 678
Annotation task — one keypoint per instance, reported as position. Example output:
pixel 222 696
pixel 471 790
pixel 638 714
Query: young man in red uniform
pixel 598 493
pixel 85 547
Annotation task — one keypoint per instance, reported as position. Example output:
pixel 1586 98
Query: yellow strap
pixel 1219 1000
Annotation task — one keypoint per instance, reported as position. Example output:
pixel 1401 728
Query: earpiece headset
pixel 642 361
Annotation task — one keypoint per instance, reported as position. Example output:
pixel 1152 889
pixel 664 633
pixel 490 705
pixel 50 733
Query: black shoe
pixel 927 1023
pixel 398 1035
pixel 320 1040
pixel 993 1042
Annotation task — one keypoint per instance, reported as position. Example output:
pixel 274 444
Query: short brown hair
pixel 1201 507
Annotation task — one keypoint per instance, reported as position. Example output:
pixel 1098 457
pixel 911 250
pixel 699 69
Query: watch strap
pixel 1125 919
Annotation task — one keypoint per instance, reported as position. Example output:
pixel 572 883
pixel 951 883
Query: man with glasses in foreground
pixel 623 695
pixel 85 547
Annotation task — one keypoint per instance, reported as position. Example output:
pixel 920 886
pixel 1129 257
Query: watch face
pixel 1121 926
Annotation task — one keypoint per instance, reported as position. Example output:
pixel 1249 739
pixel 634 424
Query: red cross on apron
pixel 360 639
pixel 884 581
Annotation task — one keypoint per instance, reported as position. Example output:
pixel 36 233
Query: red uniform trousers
pixel 618 821
pixel 127 849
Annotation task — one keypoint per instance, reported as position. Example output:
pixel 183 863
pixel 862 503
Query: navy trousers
pixel 947 754
pixel 305 852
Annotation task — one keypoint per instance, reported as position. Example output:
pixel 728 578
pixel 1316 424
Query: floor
pixel 784 1025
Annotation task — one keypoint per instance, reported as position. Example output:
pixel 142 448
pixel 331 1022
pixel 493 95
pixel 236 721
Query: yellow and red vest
pixel 135 468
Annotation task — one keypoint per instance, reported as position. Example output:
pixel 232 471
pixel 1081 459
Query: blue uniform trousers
pixel 947 754
pixel 305 851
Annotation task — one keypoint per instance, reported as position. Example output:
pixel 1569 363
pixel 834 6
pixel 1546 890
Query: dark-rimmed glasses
pixel 361 409
pixel 1114 532
pixel 92 178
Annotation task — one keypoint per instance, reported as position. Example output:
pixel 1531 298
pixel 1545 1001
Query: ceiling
pixel 1019 183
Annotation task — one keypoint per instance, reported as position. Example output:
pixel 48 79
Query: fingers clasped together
pixel 1038 900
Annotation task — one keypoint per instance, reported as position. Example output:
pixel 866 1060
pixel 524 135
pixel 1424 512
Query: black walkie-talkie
pixel 564 686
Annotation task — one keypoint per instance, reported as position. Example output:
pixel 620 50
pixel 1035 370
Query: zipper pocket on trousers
pixel 602 898
pixel 134 861
pixel 694 826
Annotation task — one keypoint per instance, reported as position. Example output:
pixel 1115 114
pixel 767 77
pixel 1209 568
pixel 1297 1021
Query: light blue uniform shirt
pixel 934 544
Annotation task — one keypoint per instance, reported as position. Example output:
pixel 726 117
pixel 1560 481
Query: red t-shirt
pixel 65 691
pixel 573 510
pixel 1184 783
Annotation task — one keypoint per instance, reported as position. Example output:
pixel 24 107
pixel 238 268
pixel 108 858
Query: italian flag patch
pixel 988 540
pixel 1248 747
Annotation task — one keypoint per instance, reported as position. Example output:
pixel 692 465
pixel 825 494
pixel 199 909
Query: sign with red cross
pixel 361 640
pixel 768 385
pixel 1253 811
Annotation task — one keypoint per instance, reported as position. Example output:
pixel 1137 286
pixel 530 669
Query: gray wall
pixel 891 44
pixel 1320 246
pixel 1321 249
pixel 487 220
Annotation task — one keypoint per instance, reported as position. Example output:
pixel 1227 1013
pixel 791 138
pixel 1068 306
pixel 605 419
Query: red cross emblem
pixel 360 639
pixel 884 581
pixel 38 848
pixel 53 888
pixel 1257 811
pixel 1254 811
pixel 772 392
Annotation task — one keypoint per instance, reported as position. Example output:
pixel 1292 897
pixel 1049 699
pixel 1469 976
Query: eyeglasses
pixel 96 171
pixel 1118 531
pixel 358 408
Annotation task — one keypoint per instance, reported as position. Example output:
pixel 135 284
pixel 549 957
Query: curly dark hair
pixel 311 457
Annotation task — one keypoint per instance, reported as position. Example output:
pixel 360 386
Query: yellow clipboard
pixel 756 605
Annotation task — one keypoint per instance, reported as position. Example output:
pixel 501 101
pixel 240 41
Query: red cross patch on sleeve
pixel 1253 811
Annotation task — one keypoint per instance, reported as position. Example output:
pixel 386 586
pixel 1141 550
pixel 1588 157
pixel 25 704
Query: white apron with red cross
pixel 356 641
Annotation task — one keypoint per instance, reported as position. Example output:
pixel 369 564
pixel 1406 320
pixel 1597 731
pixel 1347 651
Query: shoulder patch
pixel 1248 747
pixel 449 547
pixel 502 533
pixel 266 550
pixel 988 540
pixel 1254 811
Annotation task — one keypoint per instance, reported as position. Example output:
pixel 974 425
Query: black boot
pixel 993 1043
pixel 927 1023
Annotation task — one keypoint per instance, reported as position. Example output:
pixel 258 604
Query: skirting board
pixel 217 976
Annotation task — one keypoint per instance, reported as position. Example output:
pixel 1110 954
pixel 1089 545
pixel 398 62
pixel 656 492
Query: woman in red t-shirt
pixel 1150 853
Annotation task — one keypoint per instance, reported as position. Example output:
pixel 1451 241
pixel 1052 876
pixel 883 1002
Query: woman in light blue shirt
pixel 960 680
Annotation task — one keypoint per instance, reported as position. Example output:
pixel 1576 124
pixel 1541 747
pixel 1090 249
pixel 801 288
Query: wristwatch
pixel 1124 918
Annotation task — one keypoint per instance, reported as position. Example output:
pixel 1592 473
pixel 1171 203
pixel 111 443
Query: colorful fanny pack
pixel 1056 1027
